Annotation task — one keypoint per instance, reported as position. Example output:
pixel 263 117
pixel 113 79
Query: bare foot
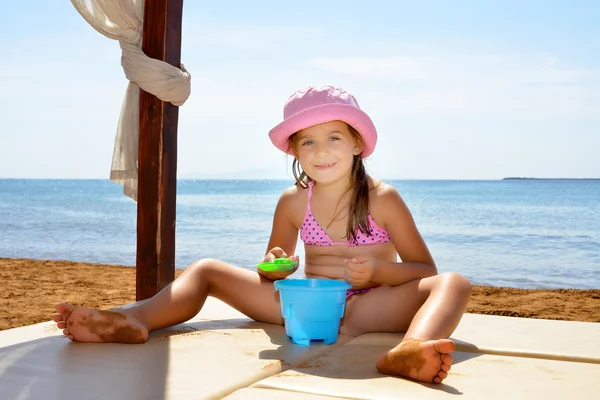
pixel 92 326
pixel 427 361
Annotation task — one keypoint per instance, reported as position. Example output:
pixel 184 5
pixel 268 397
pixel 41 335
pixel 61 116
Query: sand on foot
pixel 425 361
pixel 96 326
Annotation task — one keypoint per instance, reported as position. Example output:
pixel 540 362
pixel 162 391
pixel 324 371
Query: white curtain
pixel 122 20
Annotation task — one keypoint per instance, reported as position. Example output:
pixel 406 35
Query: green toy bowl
pixel 279 264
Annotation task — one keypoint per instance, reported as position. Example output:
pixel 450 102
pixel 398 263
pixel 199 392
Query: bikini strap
pixel 310 186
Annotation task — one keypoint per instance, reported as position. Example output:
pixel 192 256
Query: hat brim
pixel 351 115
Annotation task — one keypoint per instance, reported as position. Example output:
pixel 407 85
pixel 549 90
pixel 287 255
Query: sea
pixel 523 233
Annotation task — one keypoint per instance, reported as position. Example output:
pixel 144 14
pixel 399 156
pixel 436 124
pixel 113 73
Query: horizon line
pixel 292 179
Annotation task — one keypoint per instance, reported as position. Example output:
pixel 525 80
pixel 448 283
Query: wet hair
pixel 358 207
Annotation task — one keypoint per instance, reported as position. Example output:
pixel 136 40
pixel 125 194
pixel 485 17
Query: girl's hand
pixel 359 271
pixel 274 253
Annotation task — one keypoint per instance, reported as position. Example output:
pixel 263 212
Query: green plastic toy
pixel 279 264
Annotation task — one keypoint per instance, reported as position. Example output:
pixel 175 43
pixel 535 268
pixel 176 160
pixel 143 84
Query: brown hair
pixel 358 207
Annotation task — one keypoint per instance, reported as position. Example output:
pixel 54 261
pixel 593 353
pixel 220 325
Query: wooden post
pixel 157 156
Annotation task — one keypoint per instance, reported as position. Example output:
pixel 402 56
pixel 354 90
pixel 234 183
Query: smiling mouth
pixel 324 166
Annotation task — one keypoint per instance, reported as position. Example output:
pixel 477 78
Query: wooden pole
pixel 157 156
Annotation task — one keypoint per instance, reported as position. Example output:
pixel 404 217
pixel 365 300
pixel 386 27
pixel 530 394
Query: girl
pixel 353 227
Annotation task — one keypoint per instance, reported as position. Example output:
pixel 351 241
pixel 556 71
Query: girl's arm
pixel 417 261
pixel 397 273
pixel 284 235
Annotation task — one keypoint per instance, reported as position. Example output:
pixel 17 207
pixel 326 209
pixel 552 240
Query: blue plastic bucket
pixel 312 308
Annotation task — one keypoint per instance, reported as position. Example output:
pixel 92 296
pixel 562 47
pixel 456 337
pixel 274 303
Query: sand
pixel 31 288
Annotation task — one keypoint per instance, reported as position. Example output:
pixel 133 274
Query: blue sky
pixel 458 90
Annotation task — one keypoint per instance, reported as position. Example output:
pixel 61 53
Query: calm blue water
pixel 528 234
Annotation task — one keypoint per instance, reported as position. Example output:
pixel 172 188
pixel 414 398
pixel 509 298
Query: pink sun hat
pixel 315 105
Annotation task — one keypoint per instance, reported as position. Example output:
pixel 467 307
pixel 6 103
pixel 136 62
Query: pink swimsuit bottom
pixel 352 292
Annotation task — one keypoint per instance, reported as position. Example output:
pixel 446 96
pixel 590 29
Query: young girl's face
pixel 326 151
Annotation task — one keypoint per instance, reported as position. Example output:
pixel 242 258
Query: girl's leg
pixel 428 310
pixel 181 300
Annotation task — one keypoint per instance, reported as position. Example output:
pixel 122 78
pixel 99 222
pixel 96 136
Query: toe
pixel 447 359
pixel 64 309
pixel 68 334
pixel 442 375
pixel 444 346
pixel 446 367
pixel 57 317
pixel 61 325
pixel 437 380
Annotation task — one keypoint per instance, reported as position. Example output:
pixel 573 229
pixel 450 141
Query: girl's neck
pixel 335 189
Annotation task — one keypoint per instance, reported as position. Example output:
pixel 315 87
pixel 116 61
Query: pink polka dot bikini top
pixel 312 233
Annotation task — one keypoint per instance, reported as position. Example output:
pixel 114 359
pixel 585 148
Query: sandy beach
pixel 31 288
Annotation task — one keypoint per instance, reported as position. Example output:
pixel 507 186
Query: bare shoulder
pixel 384 200
pixel 292 202
pixel 382 193
pixel 292 194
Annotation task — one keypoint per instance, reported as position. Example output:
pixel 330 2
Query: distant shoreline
pixel 548 179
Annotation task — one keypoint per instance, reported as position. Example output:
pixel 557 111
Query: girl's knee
pixel 456 282
pixel 204 267
pixel 207 271
pixel 202 264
